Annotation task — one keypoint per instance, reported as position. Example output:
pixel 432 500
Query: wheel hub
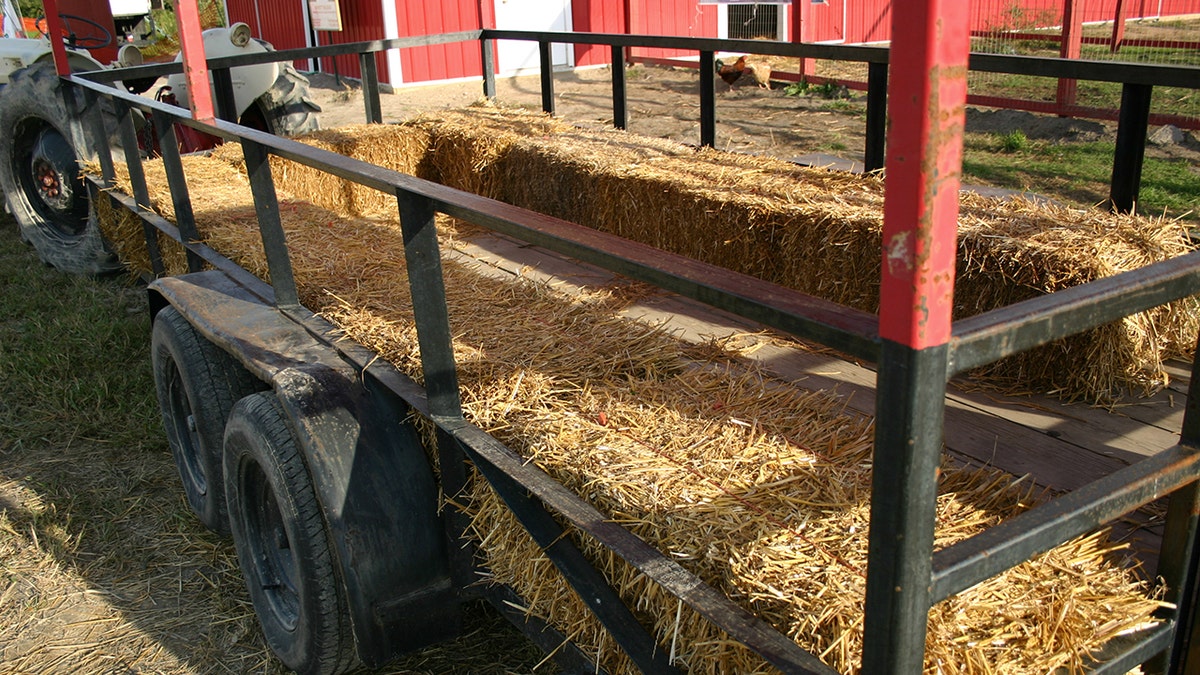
pixel 52 174
pixel 48 181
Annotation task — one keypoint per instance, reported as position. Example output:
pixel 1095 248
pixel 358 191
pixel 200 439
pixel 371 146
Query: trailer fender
pixel 369 470
pixel 379 499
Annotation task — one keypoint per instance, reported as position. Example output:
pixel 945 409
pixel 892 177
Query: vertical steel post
pixel 620 112
pixel 95 120
pixel 137 178
pixel 270 227
pixel 435 341
pixel 488 53
pixel 926 104
pixel 370 84
pixel 421 254
pixel 222 81
pixel 546 68
pixel 708 99
pixel 185 219
pixel 1130 152
pixel 1179 557
pixel 874 152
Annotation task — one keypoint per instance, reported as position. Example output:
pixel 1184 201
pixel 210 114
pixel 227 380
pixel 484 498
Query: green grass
pixel 1079 172
pixel 74 361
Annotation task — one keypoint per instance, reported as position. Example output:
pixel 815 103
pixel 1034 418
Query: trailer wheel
pixel 285 109
pixel 39 173
pixel 283 547
pixel 197 385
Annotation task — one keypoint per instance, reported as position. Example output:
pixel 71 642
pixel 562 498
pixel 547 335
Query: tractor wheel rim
pixel 53 185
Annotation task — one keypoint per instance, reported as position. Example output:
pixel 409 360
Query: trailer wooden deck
pixel 1057 446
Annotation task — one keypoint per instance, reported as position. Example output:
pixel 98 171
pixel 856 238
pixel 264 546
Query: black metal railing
pixel 916 403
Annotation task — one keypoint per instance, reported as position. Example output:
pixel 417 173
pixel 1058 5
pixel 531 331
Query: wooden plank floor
pixel 1057 446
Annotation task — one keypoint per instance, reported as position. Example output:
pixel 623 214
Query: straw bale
pixel 402 148
pixel 757 486
pixel 819 232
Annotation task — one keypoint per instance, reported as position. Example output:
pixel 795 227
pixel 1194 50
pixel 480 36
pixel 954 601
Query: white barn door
pixel 517 56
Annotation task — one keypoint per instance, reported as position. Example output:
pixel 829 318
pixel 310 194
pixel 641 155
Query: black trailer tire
pixel 197 385
pixel 40 148
pixel 285 109
pixel 283 547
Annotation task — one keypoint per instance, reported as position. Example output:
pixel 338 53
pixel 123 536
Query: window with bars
pixel 754 21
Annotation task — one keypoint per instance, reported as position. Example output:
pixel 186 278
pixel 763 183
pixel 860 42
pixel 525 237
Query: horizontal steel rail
pixel 993 335
pixel 1103 71
pixel 277 56
pixel 978 558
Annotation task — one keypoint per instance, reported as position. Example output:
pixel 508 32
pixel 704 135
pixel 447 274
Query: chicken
pixel 731 72
pixel 759 71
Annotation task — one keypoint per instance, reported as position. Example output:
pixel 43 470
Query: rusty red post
pixel 1118 31
pixel 1071 48
pixel 195 66
pixel 926 107
pixel 54 27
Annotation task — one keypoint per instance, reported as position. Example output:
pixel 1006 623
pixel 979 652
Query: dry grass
pixel 758 487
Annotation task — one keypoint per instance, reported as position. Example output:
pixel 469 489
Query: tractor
pixel 44 140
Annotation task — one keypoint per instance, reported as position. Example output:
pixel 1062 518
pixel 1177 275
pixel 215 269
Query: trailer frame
pixel 914 360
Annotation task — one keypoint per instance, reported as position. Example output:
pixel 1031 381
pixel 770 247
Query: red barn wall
pixel 441 62
pixel 868 20
pixel 685 18
pixel 362 20
pixel 597 16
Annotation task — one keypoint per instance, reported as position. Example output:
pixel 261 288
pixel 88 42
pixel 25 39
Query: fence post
pixel 1118 31
pixel 1131 147
pixel 1072 47
pixel 708 99
pixel 927 107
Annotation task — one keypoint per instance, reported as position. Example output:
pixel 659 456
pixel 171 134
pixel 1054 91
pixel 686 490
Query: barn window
pixel 753 21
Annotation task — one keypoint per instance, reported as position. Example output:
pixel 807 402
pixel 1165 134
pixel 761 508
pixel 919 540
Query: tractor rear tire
pixel 41 146
pixel 285 109
pixel 283 546
pixel 197 385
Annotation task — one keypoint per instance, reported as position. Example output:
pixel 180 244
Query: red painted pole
pixel 1118 31
pixel 195 67
pixel 1071 48
pixel 926 106
pixel 927 110
pixel 54 28
pixel 800 30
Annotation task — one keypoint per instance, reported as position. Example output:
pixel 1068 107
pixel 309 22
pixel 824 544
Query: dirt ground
pixel 665 102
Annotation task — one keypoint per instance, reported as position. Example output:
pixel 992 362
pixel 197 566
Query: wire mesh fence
pixel 1161 32
pixel 1165 32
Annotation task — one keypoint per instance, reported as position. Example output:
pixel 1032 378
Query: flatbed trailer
pixel 349 415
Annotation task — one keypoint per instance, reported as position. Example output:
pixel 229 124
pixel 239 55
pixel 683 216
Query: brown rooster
pixel 731 72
